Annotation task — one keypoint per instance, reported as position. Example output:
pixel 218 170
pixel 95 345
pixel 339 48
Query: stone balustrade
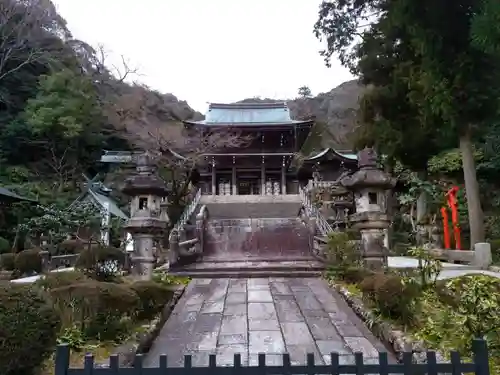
pixel 480 257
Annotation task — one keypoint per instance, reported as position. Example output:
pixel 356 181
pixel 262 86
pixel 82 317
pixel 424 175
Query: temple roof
pixel 9 195
pixel 98 194
pixel 248 114
pixel 347 156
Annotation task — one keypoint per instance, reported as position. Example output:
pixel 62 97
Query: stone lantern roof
pixel 369 174
pixel 146 179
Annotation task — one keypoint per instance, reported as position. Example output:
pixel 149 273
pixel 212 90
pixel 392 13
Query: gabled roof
pixel 347 156
pixel 248 114
pixel 97 193
pixel 101 200
pixel 13 196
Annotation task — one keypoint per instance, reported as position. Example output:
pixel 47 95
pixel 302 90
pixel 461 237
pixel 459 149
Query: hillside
pixel 334 111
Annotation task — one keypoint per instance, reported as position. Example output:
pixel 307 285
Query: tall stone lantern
pixel 146 222
pixel 369 184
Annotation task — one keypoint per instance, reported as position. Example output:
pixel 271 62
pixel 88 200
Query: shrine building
pixel 269 164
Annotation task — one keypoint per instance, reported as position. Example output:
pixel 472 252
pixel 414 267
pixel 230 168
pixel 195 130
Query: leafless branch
pixel 23 24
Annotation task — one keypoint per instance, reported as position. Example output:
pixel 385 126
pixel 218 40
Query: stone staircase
pixel 254 236
pixel 252 206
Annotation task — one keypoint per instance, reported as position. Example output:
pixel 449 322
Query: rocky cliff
pixel 334 111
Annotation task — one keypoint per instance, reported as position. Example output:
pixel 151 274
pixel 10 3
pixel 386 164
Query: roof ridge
pixel 261 105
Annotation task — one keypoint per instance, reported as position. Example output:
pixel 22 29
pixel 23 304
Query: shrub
pixel 96 308
pixel 59 279
pixel 152 297
pixel 70 247
pixel 29 327
pixel 4 246
pixel 28 262
pixel 393 296
pixel 354 275
pixel 477 306
pixel 100 262
pixel 7 261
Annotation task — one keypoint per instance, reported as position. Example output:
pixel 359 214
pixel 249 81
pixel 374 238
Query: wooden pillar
pixel 233 181
pixel 214 190
pixel 283 180
pixel 263 178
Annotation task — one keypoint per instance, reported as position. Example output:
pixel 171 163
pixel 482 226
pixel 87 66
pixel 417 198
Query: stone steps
pixel 252 268
pixel 247 274
pixel 254 210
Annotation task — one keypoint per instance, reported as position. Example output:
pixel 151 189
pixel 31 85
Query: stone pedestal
pixel 143 257
pixel 373 227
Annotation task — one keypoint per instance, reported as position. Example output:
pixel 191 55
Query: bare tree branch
pixel 23 25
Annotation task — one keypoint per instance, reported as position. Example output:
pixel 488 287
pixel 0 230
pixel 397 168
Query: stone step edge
pixel 251 269
pixel 247 274
pixel 261 259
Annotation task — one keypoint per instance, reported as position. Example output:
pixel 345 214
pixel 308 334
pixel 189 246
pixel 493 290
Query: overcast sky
pixel 210 51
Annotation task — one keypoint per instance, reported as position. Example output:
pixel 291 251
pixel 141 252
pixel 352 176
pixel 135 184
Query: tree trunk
pixel 476 216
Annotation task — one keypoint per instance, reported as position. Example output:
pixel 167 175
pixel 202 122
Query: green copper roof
pixel 248 114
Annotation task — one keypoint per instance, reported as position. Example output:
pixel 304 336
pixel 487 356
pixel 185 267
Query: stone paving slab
pixel 262 315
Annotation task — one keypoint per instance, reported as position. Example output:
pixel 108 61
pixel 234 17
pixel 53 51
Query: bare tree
pixel 181 151
pixel 23 27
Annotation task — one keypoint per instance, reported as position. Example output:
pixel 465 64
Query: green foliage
pixel 57 224
pixel 478 304
pixel 4 246
pixel 101 263
pixel 7 261
pixel 55 280
pixel 73 337
pixel 29 329
pixel 169 280
pixel 392 296
pixel 152 296
pixel 28 262
pixel 428 268
pixel 342 255
pixel 94 307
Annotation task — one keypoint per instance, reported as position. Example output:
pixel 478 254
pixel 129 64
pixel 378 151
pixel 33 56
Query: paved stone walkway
pixel 268 315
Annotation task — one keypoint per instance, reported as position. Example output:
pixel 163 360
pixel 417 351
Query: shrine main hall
pixel 270 163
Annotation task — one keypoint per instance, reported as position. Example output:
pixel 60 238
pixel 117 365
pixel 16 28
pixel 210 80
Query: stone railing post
pixel 200 230
pixel 173 251
pixel 312 227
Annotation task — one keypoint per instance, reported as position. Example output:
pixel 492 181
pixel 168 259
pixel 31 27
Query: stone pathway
pixel 266 315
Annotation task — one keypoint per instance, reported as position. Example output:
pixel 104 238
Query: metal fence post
pixel 62 360
pixel 480 354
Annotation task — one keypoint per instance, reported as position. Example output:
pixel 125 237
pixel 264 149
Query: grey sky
pixel 210 51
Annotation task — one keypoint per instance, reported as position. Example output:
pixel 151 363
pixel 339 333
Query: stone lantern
pixel 146 222
pixel 369 185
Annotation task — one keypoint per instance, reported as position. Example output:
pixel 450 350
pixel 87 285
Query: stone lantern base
pixel 373 228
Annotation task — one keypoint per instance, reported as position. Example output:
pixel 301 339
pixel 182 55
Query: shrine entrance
pixel 248 184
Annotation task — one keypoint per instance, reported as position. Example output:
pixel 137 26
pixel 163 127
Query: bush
pixel 4 246
pixel 7 261
pixel 59 279
pixel 394 297
pixel 152 298
pixel 96 308
pixel 342 251
pixel 29 327
pixel 354 275
pixel 28 262
pixel 100 262
pixel 70 247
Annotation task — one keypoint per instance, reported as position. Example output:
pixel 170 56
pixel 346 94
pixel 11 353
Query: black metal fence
pixel 479 365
